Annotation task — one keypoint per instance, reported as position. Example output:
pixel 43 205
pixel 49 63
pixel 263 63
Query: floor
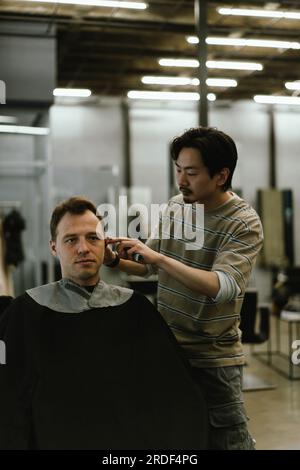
pixel 274 413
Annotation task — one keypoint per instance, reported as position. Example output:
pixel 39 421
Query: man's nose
pixel 82 246
pixel 182 179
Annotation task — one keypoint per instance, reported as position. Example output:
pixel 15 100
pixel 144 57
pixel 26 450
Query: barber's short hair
pixel 216 148
pixel 74 205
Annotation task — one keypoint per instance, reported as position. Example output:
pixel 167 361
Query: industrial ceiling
pixel 109 50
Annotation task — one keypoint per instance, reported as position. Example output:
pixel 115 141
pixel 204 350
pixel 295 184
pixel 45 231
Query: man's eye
pixel 94 238
pixel 70 240
pixel 192 174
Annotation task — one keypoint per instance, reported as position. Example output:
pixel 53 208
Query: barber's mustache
pixel 185 190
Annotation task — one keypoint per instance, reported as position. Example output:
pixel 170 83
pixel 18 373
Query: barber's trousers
pixel 222 388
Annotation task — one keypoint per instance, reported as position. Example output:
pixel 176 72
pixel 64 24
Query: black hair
pixel 216 148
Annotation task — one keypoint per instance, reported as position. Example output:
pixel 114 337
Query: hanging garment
pixel 13 225
pixel 6 283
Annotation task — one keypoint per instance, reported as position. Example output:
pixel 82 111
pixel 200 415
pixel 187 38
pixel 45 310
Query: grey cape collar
pixel 67 297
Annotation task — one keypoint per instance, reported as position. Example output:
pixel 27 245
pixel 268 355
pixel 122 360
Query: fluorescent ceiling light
pixel 179 63
pixel 253 43
pixel 97 3
pixel 8 119
pixel 150 80
pixel 175 81
pixel 192 40
pixel 233 65
pixel 211 97
pixel 211 64
pixel 223 82
pixel 163 95
pixel 289 15
pixel 272 99
pixel 293 85
pixel 167 95
pixel 73 92
pixel 220 41
pixel 24 130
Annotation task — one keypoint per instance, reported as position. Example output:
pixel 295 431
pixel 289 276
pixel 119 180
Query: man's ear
pixel 52 246
pixel 223 176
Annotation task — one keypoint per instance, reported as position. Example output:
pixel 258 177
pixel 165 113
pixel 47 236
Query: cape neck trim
pixel 66 296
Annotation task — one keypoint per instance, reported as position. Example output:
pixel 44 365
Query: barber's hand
pixel 126 247
pixel 109 255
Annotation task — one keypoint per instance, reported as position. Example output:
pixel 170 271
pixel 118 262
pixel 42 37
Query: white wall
pixel 248 125
pixel 151 129
pixel 87 146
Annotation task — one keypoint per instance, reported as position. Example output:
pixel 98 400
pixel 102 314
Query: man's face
pixel 79 248
pixel 194 180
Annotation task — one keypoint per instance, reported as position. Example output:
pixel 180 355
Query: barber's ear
pixel 223 176
pixel 52 246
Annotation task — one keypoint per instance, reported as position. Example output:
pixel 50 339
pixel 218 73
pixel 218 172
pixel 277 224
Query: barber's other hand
pixel 109 255
pixel 126 247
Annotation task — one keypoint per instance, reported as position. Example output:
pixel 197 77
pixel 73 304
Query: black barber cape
pixel 94 377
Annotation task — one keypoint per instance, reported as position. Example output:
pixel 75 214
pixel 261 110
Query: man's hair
pixel 217 149
pixel 74 205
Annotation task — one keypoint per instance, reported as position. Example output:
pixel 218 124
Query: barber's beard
pixel 188 199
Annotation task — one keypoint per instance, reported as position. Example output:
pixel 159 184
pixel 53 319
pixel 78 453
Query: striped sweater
pixel 233 236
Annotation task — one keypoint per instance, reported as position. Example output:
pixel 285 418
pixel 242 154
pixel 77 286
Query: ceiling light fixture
pixel 151 80
pixel 293 85
pixel 221 41
pixel 272 99
pixel 72 92
pixel 233 65
pixel 192 40
pixel 211 64
pixel 180 81
pixel 97 3
pixel 179 63
pixel 222 82
pixel 24 130
pixel 288 15
pixel 167 95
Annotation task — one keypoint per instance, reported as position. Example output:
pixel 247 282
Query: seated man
pixel 89 365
